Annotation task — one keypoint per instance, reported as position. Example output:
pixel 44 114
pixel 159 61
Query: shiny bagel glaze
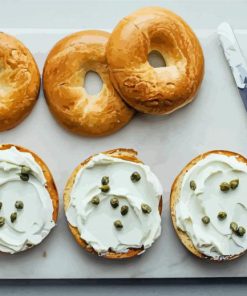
pixel 155 90
pixel 19 82
pixel 63 81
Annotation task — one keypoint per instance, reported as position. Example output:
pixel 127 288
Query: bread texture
pixel 125 154
pixel 63 82
pixel 174 198
pixel 155 90
pixel 19 82
pixel 50 184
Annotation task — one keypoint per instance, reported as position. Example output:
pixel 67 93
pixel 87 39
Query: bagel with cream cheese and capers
pixel 113 204
pixel 209 205
pixel 28 199
pixel 155 90
pixel 63 82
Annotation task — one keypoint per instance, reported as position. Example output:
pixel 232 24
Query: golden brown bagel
pixel 19 82
pixel 63 81
pixel 174 198
pixel 126 154
pixel 155 90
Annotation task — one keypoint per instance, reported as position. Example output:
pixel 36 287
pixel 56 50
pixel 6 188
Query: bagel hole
pixel 156 59
pixel 93 83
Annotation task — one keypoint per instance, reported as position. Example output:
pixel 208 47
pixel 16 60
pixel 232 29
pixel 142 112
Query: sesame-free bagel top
pixel 19 82
pixel 63 81
pixel 155 90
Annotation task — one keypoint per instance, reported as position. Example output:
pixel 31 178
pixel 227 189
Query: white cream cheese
pixel 216 238
pixel 34 221
pixel 95 223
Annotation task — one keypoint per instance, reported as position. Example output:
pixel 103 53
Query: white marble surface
pixel 216 120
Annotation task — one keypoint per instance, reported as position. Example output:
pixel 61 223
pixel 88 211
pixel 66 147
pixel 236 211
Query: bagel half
pixel 174 198
pixel 19 82
pixel 125 154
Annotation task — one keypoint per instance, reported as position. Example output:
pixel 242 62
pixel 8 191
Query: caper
pixel 19 205
pixel 24 177
pixel 241 231
pixel 1 204
pixel 13 217
pixel 105 188
pixel 95 200
pixel 234 226
pixel 146 209
pixel 205 219
pixel 25 170
pixel 118 224
pixel 234 184
pixel 114 202
pixel 224 186
pixel 124 210
pixel 135 177
pixel 105 180
pixel 222 215
pixel 2 221
pixel 193 185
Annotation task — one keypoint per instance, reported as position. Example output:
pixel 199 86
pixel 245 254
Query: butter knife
pixel 235 58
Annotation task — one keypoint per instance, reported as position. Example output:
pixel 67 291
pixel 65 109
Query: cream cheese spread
pixel 95 223
pixel 216 238
pixel 33 221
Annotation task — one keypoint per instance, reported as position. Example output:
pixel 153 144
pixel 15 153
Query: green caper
pixel 95 200
pixel 118 224
pixel 224 186
pixel 19 205
pixel 193 185
pixel 25 170
pixel 1 204
pixel 241 231
pixel 114 202
pixel 105 188
pixel 13 217
pixel 234 226
pixel 234 184
pixel 105 180
pixel 135 177
pixel 124 210
pixel 146 209
pixel 24 177
pixel 222 215
pixel 2 221
pixel 205 220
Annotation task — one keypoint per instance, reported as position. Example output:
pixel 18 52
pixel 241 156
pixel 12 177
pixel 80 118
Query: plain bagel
pixel 63 81
pixel 19 82
pixel 155 90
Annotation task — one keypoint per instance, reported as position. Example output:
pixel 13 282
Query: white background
pixel 217 97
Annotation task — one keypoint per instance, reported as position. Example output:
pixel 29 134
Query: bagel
pixel 214 241
pixel 129 157
pixel 155 90
pixel 63 82
pixel 37 194
pixel 19 82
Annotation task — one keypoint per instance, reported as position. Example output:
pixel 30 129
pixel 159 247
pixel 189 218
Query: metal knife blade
pixel 235 58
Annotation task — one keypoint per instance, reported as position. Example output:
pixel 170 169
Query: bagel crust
pixel 63 82
pixel 19 82
pixel 155 90
pixel 125 154
pixel 174 198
